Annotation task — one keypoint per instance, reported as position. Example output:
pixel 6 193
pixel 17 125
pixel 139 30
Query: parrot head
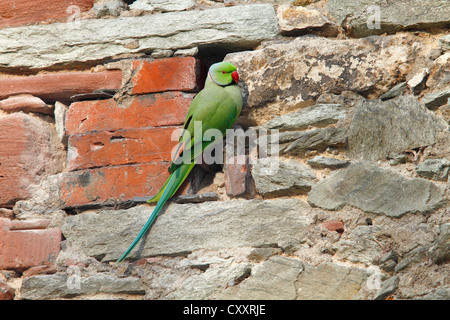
pixel 223 73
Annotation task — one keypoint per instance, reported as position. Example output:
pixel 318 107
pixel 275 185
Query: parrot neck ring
pixel 234 76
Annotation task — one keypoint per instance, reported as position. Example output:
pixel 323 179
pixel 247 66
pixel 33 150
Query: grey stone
pixel 210 284
pixel 436 99
pixel 275 177
pixel 418 82
pixel 388 261
pixel 45 200
pixel 161 53
pixel 297 20
pixel 303 68
pixel 191 52
pixel 273 279
pixel 196 198
pixel 387 287
pixel 330 281
pixel 414 256
pixel 440 249
pixel 379 128
pixel 109 7
pixel 439 294
pixel 316 115
pixel 61 285
pixel 373 189
pixel 359 246
pixel 41 46
pixel 436 169
pixel 321 162
pixel 317 139
pixel 183 228
pixel 162 5
pixel 358 16
pixel 394 91
pixel 444 42
pixel 60 121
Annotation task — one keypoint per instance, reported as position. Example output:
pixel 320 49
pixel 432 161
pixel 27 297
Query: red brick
pixel 45 269
pixel 22 249
pixel 59 86
pixel 172 74
pixel 29 149
pixel 98 149
pixel 108 185
pixel 25 103
pixel 6 292
pixel 23 12
pixel 334 225
pixel 161 109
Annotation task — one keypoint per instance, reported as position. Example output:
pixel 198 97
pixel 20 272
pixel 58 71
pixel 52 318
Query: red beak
pixel 235 76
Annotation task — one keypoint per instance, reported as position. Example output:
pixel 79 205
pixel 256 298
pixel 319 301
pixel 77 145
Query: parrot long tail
pixel 172 184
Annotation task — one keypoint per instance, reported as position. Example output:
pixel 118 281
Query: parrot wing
pixel 215 109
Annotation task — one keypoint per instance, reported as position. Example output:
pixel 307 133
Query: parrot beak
pixel 235 76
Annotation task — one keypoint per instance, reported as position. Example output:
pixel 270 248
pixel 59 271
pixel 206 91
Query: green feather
pixel 217 106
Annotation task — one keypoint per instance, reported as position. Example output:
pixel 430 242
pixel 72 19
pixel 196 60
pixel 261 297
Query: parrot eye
pixel 223 72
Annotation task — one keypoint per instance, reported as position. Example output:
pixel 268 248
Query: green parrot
pixel 217 106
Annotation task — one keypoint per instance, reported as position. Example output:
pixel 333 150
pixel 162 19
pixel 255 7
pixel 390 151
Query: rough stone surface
pixel 62 43
pixel 436 99
pixel 162 5
pixel 109 8
pixel 296 20
pixel 302 68
pixel 34 153
pixel 359 17
pixel 330 281
pixel 381 127
pixel 388 287
pixel 187 227
pixel 444 42
pixel 316 115
pixel 275 177
pixel 376 190
pixel 61 285
pixel 321 162
pixel 25 103
pixel 317 139
pixel 359 246
pixel 440 249
pixel 263 285
pixel 436 169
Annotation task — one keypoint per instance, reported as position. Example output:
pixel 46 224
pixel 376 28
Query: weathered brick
pixel 59 86
pixel 108 185
pixel 161 109
pixel 106 148
pixel 237 177
pixel 29 149
pixel 23 12
pixel 21 247
pixel 25 103
pixel 172 74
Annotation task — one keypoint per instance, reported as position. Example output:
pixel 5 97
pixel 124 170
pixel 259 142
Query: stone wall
pixel 357 208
